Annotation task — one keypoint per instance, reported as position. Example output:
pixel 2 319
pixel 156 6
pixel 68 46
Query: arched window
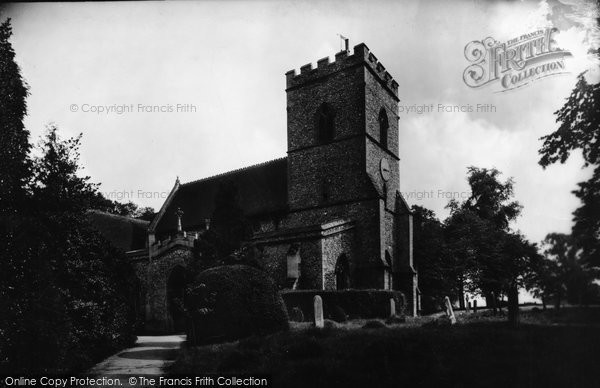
pixel 383 128
pixel 293 267
pixel 342 273
pixel 325 123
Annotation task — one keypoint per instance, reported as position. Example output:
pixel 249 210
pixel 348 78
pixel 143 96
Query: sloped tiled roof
pixel 125 233
pixel 261 189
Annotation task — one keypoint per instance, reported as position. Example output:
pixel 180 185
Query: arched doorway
pixel 342 273
pixel 175 297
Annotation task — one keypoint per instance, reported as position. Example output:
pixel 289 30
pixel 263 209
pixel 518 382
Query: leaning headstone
pixel 318 306
pixel 449 311
pixel 474 306
pixel 392 307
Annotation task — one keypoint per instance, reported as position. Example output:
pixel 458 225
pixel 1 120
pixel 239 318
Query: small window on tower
pixel 325 123
pixel 383 128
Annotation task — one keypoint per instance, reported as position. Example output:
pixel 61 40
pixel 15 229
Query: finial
pixel 177 180
pixel 179 213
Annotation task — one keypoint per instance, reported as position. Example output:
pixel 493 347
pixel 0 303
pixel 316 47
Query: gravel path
pixel 149 356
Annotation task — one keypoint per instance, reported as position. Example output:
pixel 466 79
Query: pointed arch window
pixel 325 123
pixel 383 128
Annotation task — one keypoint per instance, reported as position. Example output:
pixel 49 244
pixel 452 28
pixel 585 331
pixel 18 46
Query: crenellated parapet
pixel 343 60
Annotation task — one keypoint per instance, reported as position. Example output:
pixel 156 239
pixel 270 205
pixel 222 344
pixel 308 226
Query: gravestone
pixel 468 306
pixel 449 311
pixel 392 307
pixel 318 306
pixel 474 306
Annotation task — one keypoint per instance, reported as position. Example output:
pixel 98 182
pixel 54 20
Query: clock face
pixel 384 169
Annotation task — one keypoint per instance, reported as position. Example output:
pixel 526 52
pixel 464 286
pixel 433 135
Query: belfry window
pixel 383 128
pixel 325 123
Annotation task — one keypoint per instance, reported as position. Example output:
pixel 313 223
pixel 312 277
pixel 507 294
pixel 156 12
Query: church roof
pixel 123 232
pixel 261 189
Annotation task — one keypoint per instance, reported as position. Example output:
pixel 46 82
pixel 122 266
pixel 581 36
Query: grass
pixel 550 349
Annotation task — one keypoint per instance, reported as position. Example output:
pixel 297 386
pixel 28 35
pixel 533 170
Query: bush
pixel 231 302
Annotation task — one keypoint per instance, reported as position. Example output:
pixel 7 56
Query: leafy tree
pixel 438 275
pixel 476 229
pixel 58 187
pixel 573 280
pixel 93 278
pixel 62 287
pixel 14 138
pixel 520 258
pixel 579 129
pixel 65 289
pixel 544 281
pixel 490 198
pixel 146 213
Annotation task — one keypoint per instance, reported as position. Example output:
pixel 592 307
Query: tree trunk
pixel 513 306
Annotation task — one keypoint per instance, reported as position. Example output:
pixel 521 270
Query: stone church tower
pixel 328 216
pixel 343 179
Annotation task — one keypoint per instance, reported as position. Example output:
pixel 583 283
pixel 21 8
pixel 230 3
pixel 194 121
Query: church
pixel 329 216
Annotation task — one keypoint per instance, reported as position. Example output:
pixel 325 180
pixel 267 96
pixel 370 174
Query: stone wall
pixel 154 275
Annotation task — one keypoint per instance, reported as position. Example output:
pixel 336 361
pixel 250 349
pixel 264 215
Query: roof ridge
pixel 234 171
pixel 128 218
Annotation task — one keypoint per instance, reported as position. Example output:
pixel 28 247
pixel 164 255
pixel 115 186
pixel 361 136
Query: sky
pixel 224 64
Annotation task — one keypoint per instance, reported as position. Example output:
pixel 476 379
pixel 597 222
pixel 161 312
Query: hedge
pixel 233 301
pixel 365 304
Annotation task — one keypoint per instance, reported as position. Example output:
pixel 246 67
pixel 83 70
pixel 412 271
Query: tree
pixel 476 229
pixel 490 198
pixel 573 280
pixel 14 138
pixel 58 187
pixel 64 290
pixel 438 276
pixel 520 258
pixel 93 278
pixel 579 129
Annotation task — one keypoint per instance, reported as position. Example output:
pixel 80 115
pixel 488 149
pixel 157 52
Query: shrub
pixel 231 302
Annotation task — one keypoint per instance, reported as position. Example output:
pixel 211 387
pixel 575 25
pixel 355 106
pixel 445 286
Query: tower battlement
pixel 361 55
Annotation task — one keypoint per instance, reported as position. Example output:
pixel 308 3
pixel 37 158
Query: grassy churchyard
pixel 550 349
